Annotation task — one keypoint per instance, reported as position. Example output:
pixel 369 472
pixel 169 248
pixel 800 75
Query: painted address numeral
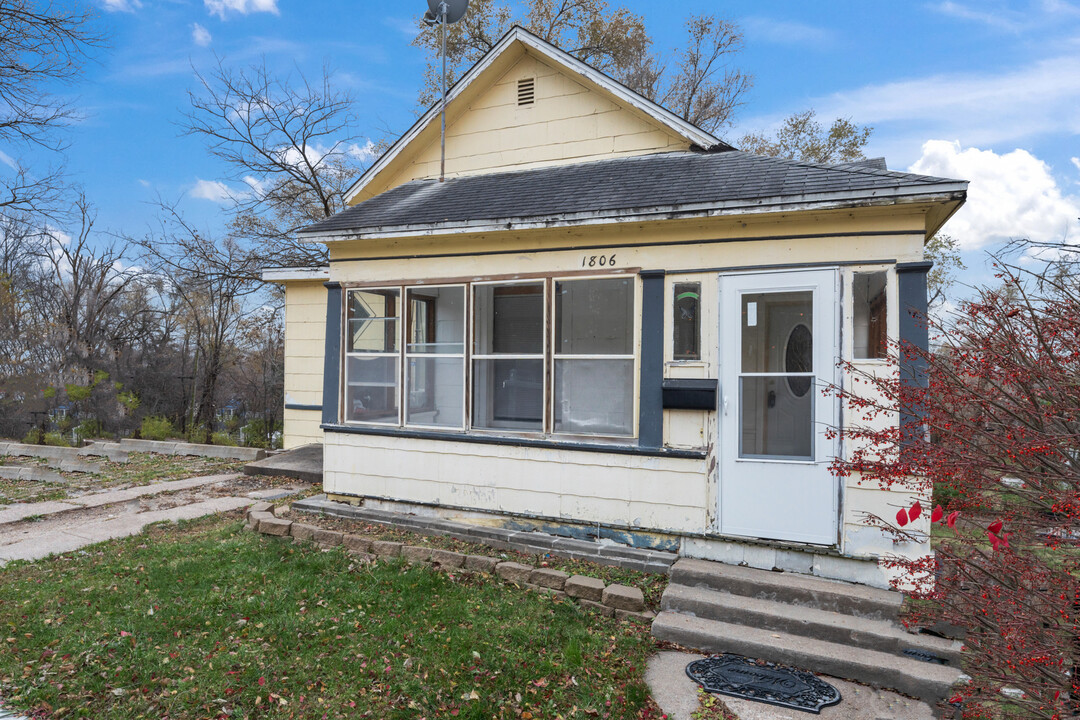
pixel 598 260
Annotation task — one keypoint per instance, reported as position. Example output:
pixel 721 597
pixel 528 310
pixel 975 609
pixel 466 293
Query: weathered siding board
pixel 305 337
pixel 620 490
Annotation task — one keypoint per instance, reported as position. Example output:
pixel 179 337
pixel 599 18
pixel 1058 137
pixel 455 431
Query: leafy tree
pixel 1002 414
pixel 801 137
pixel 699 81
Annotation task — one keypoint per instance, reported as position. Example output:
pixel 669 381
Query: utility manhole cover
pixel 761 681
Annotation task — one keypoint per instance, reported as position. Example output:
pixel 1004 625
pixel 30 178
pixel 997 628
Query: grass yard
pixel 206 620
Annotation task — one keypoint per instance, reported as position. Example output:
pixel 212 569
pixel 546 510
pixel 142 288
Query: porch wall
pixel 305 344
pixel 629 491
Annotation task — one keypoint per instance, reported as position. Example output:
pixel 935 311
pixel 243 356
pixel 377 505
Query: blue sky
pixel 985 90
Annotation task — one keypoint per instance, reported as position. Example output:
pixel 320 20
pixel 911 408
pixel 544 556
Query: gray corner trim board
pixel 651 402
pixel 332 357
pixel 297 406
pixel 914 336
pixel 510 441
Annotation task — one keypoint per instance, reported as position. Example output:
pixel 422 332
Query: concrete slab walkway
pixel 677 696
pixel 22 511
pixel 125 525
pixel 303 463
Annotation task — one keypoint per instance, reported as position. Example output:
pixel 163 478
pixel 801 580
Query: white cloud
pixel 241 7
pixel 998 18
pixel 121 5
pixel 979 109
pixel 786 32
pixel 363 153
pixel 8 160
pixel 212 190
pixel 200 35
pixel 144 183
pixel 1076 162
pixel 405 25
pixel 1013 195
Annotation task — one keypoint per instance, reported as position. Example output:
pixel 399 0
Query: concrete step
pixel 922 680
pixel 880 635
pixel 792 588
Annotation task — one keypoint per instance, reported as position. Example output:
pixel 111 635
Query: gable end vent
pixel 527 91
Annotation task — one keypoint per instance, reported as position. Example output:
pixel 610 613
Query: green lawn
pixel 206 620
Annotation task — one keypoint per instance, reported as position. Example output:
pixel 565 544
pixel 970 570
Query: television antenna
pixel 443 13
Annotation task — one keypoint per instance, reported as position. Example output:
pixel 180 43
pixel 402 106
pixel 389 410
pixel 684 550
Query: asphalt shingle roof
pixel 616 185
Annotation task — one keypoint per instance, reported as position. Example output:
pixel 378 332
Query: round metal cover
pixel 455 9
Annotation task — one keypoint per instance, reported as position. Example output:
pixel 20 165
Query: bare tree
pixel 42 44
pixel 84 276
pixel 212 280
pixel 291 145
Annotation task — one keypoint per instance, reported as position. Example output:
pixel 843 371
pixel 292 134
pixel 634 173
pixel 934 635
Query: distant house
pixel 607 320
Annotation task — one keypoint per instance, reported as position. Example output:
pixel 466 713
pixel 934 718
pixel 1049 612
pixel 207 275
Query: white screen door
pixel 779 344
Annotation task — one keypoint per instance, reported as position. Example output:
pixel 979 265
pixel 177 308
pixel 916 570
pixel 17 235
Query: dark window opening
pixel 687 322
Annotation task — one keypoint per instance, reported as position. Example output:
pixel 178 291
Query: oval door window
pixel 798 358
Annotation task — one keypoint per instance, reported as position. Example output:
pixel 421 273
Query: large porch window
pixel 552 355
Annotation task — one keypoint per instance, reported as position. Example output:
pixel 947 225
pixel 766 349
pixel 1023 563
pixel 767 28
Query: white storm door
pixel 779 345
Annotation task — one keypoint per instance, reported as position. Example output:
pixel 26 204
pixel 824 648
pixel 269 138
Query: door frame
pixel 727 400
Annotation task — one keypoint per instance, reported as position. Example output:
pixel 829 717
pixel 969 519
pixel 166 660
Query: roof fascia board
pixel 286 274
pixel 693 134
pixel 944 192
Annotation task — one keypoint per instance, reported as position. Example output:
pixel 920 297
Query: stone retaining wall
pixel 537 543
pixel 618 601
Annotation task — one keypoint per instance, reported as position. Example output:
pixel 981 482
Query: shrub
pixel 34 437
pixel 198 434
pixel 222 438
pixel 255 434
pixel 55 439
pixel 91 428
pixel 156 428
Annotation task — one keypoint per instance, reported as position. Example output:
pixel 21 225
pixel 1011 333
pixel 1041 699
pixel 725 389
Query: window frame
pixel 633 356
pixel 346 331
pixel 548 356
pixel 463 356
pixel 543 356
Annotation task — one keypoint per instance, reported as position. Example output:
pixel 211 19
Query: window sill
pixel 514 441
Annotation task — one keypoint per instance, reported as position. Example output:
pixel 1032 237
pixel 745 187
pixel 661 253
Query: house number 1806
pixel 598 260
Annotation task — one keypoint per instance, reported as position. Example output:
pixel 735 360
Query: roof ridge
pixel 844 167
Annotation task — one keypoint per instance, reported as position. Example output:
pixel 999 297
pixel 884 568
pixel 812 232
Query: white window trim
pixel 548 357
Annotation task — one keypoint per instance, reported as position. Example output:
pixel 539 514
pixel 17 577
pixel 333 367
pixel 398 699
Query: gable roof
pixel 626 189
pixel 519 36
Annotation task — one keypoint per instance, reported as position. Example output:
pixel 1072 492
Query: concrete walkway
pixel 677 695
pixel 22 511
pixel 125 525
pixel 303 463
pixel 31 531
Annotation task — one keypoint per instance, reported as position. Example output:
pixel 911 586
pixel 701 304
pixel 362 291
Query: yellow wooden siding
pixel 621 490
pixel 568 122
pixel 305 343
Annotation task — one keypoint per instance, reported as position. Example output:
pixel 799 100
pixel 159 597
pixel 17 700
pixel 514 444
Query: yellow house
pixel 607 321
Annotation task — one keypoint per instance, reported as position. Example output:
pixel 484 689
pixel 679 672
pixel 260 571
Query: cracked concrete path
pixel 31 531
pixel 80 535
pixel 22 511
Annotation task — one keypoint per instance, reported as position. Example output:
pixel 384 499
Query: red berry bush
pixel 998 449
